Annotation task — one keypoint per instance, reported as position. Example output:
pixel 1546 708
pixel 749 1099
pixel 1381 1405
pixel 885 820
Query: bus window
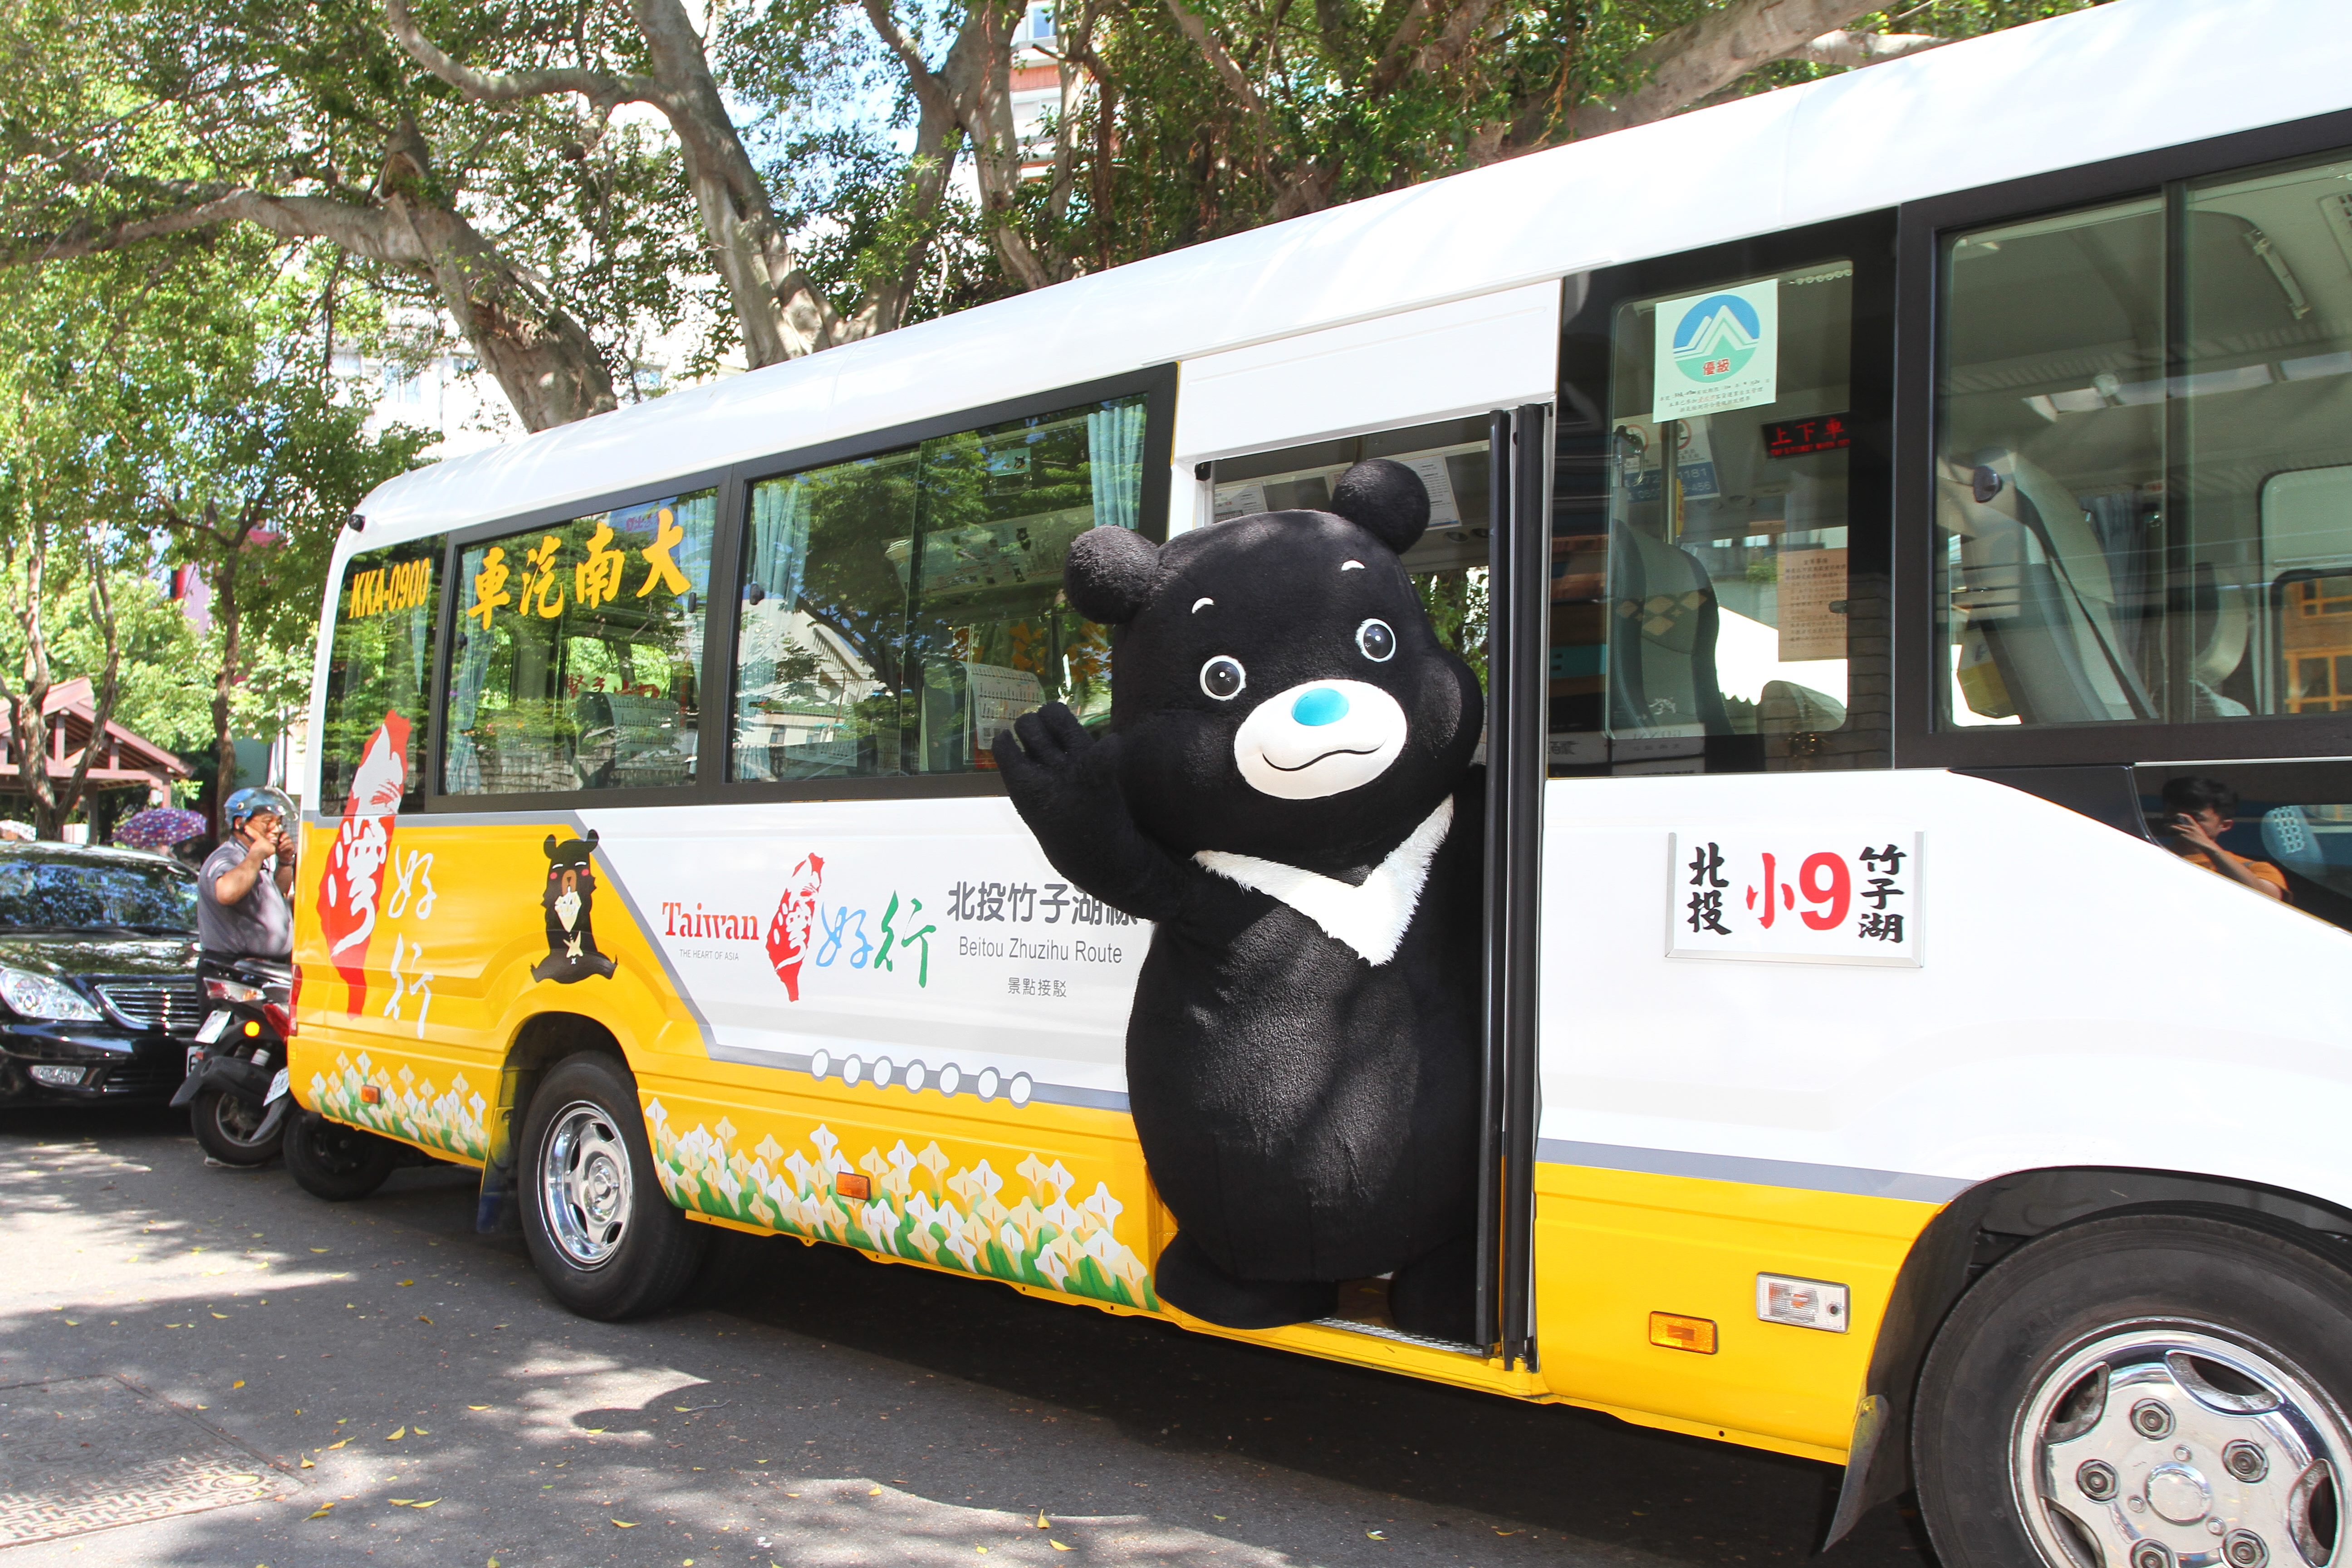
pixel 2275 819
pixel 2122 543
pixel 2050 428
pixel 899 610
pixel 1700 612
pixel 578 652
pixel 380 668
pixel 1449 565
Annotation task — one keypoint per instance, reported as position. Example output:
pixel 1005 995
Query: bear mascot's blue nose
pixel 1321 706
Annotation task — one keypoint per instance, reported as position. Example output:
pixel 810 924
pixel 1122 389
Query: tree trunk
pixel 543 360
pixel 31 722
pixel 225 611
pixel 36 735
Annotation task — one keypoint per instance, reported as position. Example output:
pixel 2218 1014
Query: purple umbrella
pixel 158 828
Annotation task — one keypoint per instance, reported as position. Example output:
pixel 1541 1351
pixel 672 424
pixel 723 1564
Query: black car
pixel 98 996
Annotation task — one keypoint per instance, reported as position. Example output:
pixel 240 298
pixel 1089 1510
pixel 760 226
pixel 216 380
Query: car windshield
pixel 85 895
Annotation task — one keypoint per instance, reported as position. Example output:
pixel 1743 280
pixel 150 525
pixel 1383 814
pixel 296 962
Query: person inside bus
pixel 2197 813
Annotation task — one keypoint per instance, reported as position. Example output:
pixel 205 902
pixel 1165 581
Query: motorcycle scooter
pixel 237 1084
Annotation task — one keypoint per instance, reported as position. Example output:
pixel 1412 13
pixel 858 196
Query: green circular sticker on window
pixel 1718 351
pixel 1716 338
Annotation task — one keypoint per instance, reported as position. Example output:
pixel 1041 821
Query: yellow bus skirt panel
pixel 414 1049
pixel 1053 1200
pixel 1613 1246
pixel 1054 1197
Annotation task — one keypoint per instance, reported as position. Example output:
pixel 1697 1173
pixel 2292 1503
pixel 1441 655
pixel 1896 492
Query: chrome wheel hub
pixel 2172 1445
pixel 585 1187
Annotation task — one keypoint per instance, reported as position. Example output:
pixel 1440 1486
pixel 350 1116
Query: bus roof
pixel 2127 77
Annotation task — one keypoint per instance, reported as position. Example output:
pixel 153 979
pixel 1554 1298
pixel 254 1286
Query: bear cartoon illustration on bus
pixel 570 901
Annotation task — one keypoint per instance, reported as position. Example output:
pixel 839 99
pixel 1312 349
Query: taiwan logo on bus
pixel 1718 351
pixel 1716 338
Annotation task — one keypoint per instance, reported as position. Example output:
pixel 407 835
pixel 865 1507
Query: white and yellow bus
pixel 1920 846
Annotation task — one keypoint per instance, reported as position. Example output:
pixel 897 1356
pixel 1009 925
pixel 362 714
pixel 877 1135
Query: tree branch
pixel 603 90
pixel 1229 72
pixel 1718 50
pixel 363 232
pixel 1390 67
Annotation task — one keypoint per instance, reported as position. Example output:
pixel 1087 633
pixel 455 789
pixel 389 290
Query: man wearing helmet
pixel 242 908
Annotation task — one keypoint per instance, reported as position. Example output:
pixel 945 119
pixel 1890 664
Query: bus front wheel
pixel 2143 1391
pixel 601 1232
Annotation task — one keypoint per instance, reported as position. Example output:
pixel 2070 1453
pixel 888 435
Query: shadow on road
pixel 827 1407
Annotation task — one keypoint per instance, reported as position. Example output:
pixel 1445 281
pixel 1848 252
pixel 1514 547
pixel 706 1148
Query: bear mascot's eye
pixel 1378 643
pixel 1223 677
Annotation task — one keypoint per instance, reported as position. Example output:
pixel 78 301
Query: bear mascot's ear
pixel 550 847
pixel 1110 573
pixel 589 842
pixel 1386 500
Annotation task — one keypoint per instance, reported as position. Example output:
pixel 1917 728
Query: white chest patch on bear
pixel 1372 917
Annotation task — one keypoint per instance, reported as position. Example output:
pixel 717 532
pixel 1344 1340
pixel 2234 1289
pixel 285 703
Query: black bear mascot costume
pixel 1286 790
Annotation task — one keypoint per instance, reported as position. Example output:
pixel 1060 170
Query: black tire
pixel 227 1126
pixel 602 1234
pixel 2048 1369
pixel 331 1161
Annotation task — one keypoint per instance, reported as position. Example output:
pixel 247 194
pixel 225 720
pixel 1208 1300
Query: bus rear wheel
pixel 2144 1391
pixel 603 1235
pixel 337 1163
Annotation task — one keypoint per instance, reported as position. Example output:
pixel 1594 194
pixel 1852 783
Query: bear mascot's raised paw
pixel 1286 788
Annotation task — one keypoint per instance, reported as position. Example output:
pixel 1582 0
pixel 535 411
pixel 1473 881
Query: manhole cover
pixel 85 1452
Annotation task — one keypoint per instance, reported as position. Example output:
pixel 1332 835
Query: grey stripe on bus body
pixel 1857 1180
pixel 1549 1151
pixel 1018 1087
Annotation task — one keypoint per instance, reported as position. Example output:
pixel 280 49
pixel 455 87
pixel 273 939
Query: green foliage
pixel 166 407
pixel 1455 602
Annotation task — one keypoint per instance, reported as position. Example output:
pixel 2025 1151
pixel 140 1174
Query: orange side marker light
pixel 1676 1332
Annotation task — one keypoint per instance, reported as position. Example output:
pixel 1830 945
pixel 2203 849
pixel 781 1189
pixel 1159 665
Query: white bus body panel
pixel 1465 357
pixel 2029 1036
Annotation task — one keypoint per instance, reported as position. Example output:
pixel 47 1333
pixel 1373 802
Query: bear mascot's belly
pixel 1285 789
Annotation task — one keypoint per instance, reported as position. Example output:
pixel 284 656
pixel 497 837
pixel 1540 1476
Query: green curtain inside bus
pixel 900 610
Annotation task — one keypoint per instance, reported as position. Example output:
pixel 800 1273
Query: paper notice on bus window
pixel 1718 351
pixel 999 695
pixel 1809 895
pixel 1239 501
pixel 1813 604
pixel 1444 510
